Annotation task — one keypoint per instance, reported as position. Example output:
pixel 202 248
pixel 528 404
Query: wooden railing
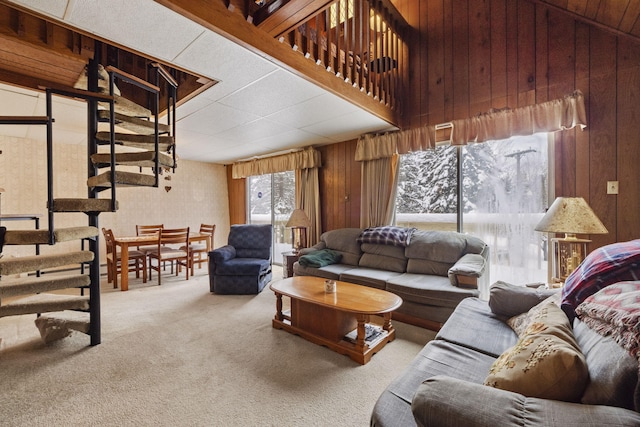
pixel 361 41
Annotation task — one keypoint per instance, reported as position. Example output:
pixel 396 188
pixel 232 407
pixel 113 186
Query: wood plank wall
pixel 470 56
pixel 339 186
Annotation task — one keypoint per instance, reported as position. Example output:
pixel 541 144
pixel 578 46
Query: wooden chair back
pixel 148 229
pixel 209 229
pixel 174 236
pixel 108 240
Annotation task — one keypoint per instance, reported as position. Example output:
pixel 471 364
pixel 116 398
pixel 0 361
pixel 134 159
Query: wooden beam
pixel 216 17
pixel 291 14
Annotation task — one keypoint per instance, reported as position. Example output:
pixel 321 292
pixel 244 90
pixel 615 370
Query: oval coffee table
pixel 338 320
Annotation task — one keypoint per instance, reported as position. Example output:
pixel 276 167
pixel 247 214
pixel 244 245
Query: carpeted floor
pixel 177 355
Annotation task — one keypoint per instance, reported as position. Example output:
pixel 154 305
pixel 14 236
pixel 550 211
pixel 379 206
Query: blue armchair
pixel 244 265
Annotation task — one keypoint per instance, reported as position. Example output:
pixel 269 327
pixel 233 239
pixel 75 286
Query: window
pixel 505 190
pixel 271 201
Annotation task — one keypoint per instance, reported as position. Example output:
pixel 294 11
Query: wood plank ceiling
pixel 617 16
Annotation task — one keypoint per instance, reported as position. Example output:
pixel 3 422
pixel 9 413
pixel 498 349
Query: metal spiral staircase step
pixel 34 285
pixel 138 158
pixel 41 237
pixel 134 124
pixel 145 142
pixel 127 107
pixel 26 264
pixel 44 303
pixel 123 179
pixel 82 205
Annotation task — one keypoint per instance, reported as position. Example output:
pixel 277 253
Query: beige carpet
pixel 177 355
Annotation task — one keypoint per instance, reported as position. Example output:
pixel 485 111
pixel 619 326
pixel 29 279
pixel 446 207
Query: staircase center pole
pixel 94 244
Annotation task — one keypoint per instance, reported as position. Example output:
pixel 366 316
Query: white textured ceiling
pixel 257 107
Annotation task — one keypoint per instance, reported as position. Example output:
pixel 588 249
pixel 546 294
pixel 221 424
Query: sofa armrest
pixel 222 254
pixel 466 271
pixel 444 401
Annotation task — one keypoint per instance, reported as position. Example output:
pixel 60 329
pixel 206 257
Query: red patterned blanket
pixel 615 312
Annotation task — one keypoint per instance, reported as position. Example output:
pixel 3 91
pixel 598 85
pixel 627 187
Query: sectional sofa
pixel 432 271
pixel 595 382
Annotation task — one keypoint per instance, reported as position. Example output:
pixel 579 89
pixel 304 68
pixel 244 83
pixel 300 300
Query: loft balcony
pixel 356 49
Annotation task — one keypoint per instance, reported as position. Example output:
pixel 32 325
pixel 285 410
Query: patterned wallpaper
pixel 198 193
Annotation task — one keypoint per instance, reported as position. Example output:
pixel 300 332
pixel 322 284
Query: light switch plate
pixel 612 187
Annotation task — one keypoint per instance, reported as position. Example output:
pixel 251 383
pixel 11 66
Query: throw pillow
pixel 510 300
pixel 603 267
pixel 521 322
pixel 545 363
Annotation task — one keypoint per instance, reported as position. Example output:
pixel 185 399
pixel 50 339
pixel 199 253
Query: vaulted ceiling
pixel 258 107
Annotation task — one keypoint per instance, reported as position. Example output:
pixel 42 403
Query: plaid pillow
pixel 603 267
pixel 394 236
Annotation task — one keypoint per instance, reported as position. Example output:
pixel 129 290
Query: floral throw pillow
pixel 546 362
pixel 521 322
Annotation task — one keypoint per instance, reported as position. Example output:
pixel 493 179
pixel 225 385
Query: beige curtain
pixel 558 114
pixel 305 163
pixel 304 159
pixel 308 199
pixel 378 190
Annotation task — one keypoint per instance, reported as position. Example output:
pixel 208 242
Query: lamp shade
pixel 571 215
pixel 298 219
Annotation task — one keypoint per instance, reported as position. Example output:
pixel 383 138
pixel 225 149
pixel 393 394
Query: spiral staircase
pixel 63 289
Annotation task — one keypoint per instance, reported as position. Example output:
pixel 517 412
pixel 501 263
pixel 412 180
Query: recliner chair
pixel 243 266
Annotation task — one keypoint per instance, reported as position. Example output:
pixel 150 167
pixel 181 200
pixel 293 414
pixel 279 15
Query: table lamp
pixel 569 215
pixel 298 222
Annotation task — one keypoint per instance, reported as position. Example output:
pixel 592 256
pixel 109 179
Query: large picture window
pixel 502 190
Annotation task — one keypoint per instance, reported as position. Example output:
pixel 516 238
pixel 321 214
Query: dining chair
pixel 199 251
pixel 169 250
pixel 142 230
pixel 137 260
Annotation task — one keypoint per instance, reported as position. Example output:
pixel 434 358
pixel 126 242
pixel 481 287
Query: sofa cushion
pixel 368 277
pixel 425 266
pixel 432 313
pixel 344 240
pixel 243 267
pixel 332 271
pixel 473 325
pixel 383 257
pixel 428 290
pixel 448 402
pixel 440 357
pixel 613 372
pixel 546 362
pixel 442 246
pixel 509 300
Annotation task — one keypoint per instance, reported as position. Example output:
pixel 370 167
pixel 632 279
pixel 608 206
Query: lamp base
pixel 568 253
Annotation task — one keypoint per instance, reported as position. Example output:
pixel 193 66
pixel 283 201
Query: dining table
pixel 124 242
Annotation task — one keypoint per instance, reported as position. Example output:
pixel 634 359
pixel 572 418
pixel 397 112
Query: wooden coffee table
pixel 336 320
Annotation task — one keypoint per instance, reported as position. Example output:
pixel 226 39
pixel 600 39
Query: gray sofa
pixel 443 386
pixel 432 274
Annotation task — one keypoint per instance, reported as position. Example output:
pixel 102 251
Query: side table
pixel 288 259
